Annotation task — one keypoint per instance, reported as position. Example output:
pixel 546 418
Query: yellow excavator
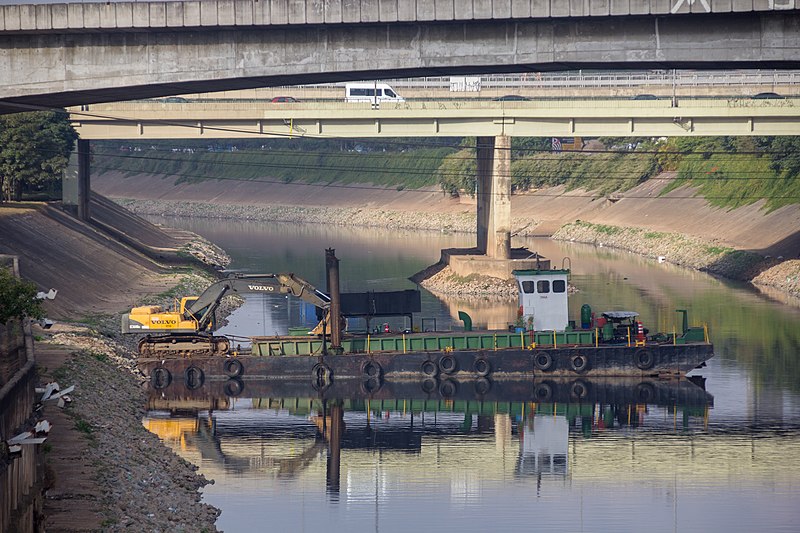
pixel 187 330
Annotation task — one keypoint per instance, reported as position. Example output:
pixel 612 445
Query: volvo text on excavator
pixel 187 331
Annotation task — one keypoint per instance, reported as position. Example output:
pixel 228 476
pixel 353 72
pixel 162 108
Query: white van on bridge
pixel 371 92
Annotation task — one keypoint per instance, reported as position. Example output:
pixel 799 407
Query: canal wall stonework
pixel 21 474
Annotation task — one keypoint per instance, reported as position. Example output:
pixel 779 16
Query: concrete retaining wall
pixel 20 476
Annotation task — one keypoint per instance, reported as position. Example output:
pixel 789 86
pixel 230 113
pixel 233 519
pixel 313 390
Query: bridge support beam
pixel 494 196
pixel 76 186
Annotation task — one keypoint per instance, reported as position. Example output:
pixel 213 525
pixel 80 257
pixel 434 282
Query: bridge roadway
pixel 71 54
pixel 440 118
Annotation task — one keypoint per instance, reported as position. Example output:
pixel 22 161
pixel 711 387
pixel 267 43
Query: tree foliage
pixel 17 298
pixel 34 150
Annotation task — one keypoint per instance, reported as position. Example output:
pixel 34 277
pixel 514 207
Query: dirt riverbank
pixel 690 231
pixel 106 471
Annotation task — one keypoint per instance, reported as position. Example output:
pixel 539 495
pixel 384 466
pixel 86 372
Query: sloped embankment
pixel 92 270
pixel 686 250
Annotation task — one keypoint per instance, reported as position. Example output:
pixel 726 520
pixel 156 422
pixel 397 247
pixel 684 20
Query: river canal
pixel 624 456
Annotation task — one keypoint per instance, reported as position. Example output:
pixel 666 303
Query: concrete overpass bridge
pixel 492 122
pixel 70 54
pixel 439 118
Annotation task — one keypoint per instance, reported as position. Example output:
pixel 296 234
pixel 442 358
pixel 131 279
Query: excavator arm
pixel 202 310
pixel 186 332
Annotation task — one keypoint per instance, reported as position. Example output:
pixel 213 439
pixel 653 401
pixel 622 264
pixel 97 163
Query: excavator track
pixel 185 346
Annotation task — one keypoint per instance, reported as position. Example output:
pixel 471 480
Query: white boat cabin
pixel 543 299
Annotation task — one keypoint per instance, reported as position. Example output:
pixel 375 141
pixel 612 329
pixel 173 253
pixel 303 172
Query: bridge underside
pixel 62 69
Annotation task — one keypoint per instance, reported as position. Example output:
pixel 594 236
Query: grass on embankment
pixel 601 173
pixel 398 170
pixel 734 180
pixel 728 171
pixel 676 248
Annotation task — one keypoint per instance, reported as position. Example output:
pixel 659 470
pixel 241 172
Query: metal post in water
pixel 332 269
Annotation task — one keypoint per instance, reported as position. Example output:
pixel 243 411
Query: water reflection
pixel 563 455
pixel 281 430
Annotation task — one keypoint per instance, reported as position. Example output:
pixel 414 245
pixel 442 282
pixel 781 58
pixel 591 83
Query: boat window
pixel 528 287
pixel 559 285
pixel 543 286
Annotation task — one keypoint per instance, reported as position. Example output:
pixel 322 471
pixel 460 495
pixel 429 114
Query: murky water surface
pixel 719 453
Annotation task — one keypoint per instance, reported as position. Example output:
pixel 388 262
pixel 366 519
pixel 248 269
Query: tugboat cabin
pixel 543 299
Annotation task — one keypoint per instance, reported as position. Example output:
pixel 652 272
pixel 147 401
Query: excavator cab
pixel 157 319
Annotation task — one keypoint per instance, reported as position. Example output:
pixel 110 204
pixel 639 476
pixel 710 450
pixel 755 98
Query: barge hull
pixel 590 362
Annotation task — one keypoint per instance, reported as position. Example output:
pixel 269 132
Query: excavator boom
pixel 187 331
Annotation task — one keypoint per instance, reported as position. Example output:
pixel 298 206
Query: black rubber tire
pixel 482 367
pixel 194 377
pixel 644 359
pixel 321 376
pixel 579 389
pixel 428 385
pixel 448 388
pixel 233 368
pixel 482 386
pixel 543 392
pixel 448 364
pixel 372 369
pixel 645 393
pixel 371 385
pixel 160 378
pixel 579 363
pixel 429 369
pixel 233 387
pixel 542 361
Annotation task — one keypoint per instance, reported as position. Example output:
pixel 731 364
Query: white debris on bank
pixel 146 486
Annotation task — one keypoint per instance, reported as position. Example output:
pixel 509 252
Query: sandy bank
pixel 680 226
pixel 533 213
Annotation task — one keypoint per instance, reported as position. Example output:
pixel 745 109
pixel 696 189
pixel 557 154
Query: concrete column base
pixel 466 261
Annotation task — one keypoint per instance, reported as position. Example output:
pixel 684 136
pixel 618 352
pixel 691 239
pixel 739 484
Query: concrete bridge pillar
pixel 494 196
pixel 76 188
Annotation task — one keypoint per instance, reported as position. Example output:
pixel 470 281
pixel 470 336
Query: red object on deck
pixel 639 331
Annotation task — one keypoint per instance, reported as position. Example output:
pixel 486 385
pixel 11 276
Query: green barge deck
pixel 453 341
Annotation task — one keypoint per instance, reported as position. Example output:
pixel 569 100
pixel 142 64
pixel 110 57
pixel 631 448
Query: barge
pixel 543 344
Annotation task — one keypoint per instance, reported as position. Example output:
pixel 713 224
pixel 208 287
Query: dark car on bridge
pixel 511 98
pixel 768 96
pixel 284 100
